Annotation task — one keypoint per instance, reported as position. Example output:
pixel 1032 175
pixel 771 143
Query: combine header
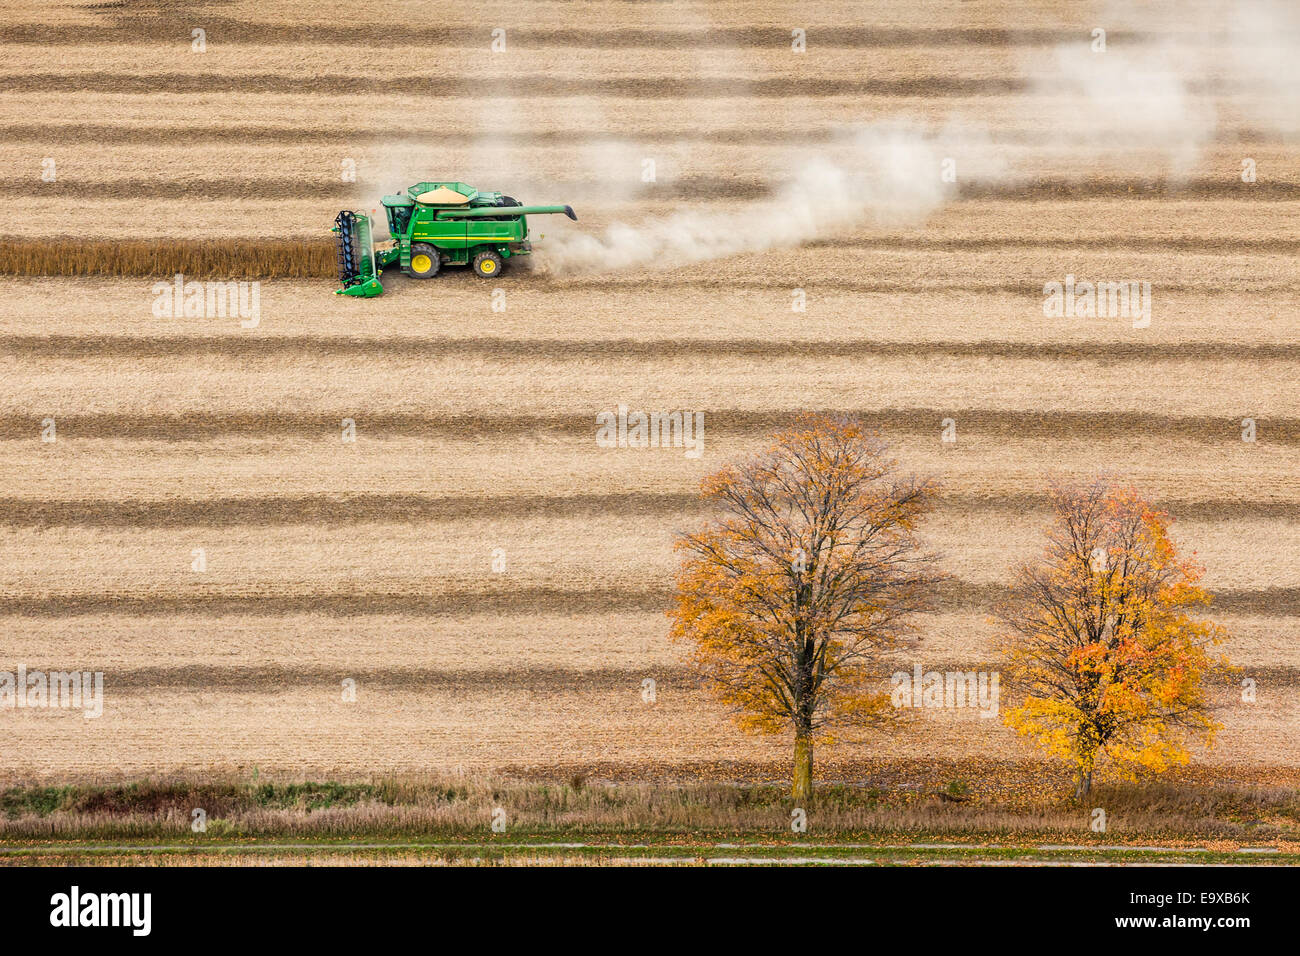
pixel 432 225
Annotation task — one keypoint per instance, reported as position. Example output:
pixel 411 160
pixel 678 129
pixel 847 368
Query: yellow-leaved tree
pixel 810 570
pixel 1101 641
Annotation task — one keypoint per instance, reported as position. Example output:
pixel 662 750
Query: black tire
pixel 487 265
pixel 427 258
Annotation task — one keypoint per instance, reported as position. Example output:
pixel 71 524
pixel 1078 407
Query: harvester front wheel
pixel 487 264
pixel 424 261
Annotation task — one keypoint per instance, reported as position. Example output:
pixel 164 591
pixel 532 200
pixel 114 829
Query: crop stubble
pixel 373 561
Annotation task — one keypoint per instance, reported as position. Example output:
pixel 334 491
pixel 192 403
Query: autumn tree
pixel 809 571
pixel 1101 639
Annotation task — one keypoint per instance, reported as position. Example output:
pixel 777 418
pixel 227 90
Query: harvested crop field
pixel 179 507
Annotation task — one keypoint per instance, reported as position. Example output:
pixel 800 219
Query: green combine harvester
pixel 432 225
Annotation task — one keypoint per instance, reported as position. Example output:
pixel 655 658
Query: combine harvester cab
pixel 432 225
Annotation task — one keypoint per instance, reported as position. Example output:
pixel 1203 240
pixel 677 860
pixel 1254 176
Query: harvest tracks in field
pixel 372 560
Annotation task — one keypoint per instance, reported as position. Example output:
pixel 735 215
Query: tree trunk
pixel 1084 781
pixel 802 788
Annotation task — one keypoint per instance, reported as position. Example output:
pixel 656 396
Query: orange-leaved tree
pixel 1101 641
pixel 811 569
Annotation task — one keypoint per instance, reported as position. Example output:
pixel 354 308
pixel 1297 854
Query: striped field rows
pixel 178 507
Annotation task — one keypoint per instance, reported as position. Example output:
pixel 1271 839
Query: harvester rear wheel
pixel 487 265
pixel 424 261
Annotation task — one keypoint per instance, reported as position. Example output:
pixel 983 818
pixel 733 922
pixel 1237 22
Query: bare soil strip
pixel 81 133
pixel 241 187
pixel 235 346
pixel 342 604
pixel 199 425
pixel 335 509
pixel 953 596
pixel 341 508
pixel 539 681
pixel 936 86
pixel 902 286
pixel 706 187
pixel 1114 243
pixel 312 257
pixel 105 134
pixel 118 30
pixel 522 87
pixel 532 679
